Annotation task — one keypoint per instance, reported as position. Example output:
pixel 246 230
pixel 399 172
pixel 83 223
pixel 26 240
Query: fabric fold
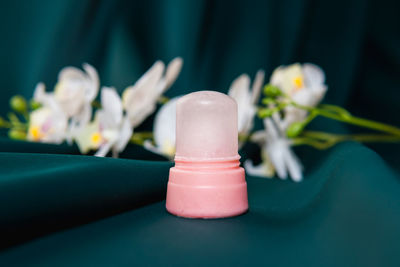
pixel 345 212
pixel 42 193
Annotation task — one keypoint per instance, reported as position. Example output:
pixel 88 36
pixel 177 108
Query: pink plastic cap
pixel 207 181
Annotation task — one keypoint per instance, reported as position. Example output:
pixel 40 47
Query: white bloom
pixel 164 130
pixel 74 92
pixel 47 124
pixel 75 89
pixel 304 84
pixel 246 100
pixel 40 95
pixel 140 100
pixel 276 152
pixel 110 130
pixel 265 168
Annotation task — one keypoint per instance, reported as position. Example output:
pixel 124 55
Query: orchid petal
pixel 292 115
pixel 277 76
pixel 293 165
pixel 82 138
pixel 46 99
pixel 278 122
pixel 239 89
pixel 71 73
pixel 136 94
pixel 78 122
pixel 172 72
pixel 313 74
pixel 140 99
pixel 84 117
pixel 259 137
pixel 259 170
pixel 71 131
pixel 112 105
pixel 124 135
pixel 137 117
pixel 147 144
pixel 271 128
pixel 94 82
pixel 257 85
pixel 103 150
pixel 276 154
pixel 164 124
pixel 111 135
pixel 39 94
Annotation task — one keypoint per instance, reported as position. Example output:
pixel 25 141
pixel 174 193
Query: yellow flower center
pixel 298 82
pixel 35 132
pixel 96 138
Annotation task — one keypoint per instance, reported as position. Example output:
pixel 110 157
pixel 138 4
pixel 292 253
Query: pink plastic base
pixel 207 193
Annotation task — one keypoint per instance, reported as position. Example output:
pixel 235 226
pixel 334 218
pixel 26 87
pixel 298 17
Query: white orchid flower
pixel 304 84
pixel 164 130
pixel 47 124
pixel 74 92
pixel 140 100
pixel 75 89
pixel 45 99
pixel 110 130
pixel 246 100
pixel 277 154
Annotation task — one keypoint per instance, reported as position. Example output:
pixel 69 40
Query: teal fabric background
pixel 61 208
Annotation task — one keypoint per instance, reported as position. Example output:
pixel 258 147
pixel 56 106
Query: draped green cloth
pixel 59 208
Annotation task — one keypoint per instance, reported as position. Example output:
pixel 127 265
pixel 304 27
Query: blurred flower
pixel 264 169
pixel 75 89
pixel 74 92
pixel 110 130
pixel 140 99
pixel 246 100
pixel 40 96
pixel 47 124
pixel 304 84
pixel 276 153
pixel 164 130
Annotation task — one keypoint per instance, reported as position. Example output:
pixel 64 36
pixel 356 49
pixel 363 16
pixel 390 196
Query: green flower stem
pixel 244 138
pixel 139 138
pixel 321 145
pixel 321 135
pixel 5 124
pixel 264 112
pixel 16 123
pixel 339 110
pixel 374 125
pixel 163 99
pixel 322 140
pixel 13 117
pixel 310 117
pixel 96 104
pixel 268 101
pixel 25 114
pixel 12 125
